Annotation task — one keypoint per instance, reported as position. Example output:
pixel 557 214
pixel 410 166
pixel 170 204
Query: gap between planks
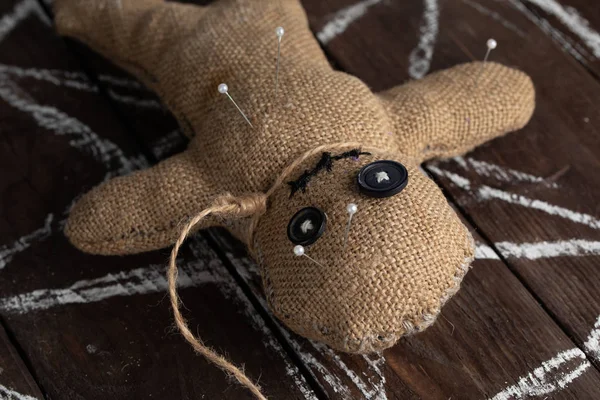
pixel 583 32
pixel 26 362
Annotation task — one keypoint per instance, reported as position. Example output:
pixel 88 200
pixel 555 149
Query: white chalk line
pixel 537 250
pixel 133 101
pixel 485 192
pixel 420 57
pixel 485 252
pixel 60 123
pixel 57 77
pixel 138 281
pixel 376 366
pixel 543 380
pixel 20 11
pixel 7 252
pixel 121 82
pixel 377 391
pixel 342 19
pixel 565 42
pixel 489 170
pixel 570 18
pixel 167 143
pixel 334 381
pixel 592 343
pixel 495 16
pixel 8 394
pixel 79 81
pixel 561 248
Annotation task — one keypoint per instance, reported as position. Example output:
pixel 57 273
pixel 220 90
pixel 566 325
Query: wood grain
pixel 574 25
pixel 15 378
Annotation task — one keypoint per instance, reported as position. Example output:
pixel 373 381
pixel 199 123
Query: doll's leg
pixel 450 112
pixel 132 33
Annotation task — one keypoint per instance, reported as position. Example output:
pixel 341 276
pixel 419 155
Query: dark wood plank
pixel 493 334
pixel 533 193
pixel 573 24
pixel 16 381
pixel 486 342
pixel 99 327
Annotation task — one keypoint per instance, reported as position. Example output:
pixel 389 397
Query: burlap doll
pixel 322 142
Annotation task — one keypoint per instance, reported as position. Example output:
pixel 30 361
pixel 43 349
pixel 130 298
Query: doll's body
pixel 405 255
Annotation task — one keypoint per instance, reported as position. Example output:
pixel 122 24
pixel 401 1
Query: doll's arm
pixel 452 111
pixel 142 211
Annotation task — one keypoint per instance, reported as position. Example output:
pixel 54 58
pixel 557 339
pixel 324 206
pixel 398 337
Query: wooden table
pixel 526 323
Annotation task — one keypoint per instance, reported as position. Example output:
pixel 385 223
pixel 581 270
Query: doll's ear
pixel 142 211
pixel 451 111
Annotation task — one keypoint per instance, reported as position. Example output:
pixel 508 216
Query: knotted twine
pixel 251 206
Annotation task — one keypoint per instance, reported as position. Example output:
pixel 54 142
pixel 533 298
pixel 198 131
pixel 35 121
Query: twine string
pixel 253 206
pixel 227 205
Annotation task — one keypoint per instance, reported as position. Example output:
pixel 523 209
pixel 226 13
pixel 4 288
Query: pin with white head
pixel 279 32
pixel 491 44
pixel 224 89
pixel 351 209
pixel 300 251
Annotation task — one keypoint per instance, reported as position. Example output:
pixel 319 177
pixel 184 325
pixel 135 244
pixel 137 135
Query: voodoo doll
pixel 357 247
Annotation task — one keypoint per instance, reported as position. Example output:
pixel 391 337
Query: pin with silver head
pixel 491 44
pixel 279 32
pixel 224 89
pixel 351 209
pixel 300 251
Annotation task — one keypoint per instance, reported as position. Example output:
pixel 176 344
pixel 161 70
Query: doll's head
pixel 405 255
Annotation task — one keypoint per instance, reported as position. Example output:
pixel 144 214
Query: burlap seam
pixel 385 338
pixel 153 231
pixel 428 319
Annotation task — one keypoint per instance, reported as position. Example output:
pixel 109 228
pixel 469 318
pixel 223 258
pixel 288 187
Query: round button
pixel 306 226
pixel 383 178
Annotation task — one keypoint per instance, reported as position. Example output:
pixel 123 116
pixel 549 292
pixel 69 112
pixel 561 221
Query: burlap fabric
pixel 406 254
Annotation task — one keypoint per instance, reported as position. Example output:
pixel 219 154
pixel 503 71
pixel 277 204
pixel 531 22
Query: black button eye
pixel 383 178
pixel 306 226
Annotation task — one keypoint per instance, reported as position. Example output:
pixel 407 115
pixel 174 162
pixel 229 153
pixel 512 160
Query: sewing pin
pixel 301 252
pixel 351 209
pixel 279 31
pixel 491 44
pixel 224 89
